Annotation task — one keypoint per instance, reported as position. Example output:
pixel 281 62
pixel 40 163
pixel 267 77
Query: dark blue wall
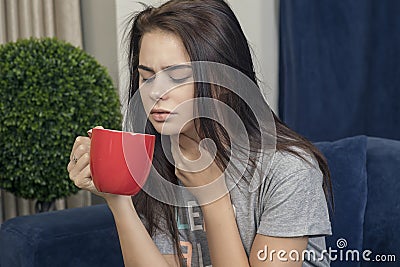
pixel 340 67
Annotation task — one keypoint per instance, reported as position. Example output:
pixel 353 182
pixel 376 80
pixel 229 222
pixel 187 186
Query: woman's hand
pixel 79 167
pixel 197 170
pixel 137 247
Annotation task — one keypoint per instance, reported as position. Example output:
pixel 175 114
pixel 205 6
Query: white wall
pixel 124 10
pixel 100 33
pixel 259 20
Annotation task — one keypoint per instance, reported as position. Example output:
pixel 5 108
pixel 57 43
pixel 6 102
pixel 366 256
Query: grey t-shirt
pixel 289 202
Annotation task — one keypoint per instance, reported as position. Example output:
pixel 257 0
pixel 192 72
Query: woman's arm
pixel 138 249
pixel 224 242
pixel 277 251
pixel 208 186
pixel 226 248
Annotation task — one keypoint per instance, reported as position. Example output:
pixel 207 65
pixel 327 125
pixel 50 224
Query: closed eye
pixel 180 80
pixel 150 79
pixel 175 80
pixel 177 73
pixel 180 73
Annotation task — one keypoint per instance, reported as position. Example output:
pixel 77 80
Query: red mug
pixel 120 162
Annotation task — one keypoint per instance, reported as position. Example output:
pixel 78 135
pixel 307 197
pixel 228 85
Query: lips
pixel 160 115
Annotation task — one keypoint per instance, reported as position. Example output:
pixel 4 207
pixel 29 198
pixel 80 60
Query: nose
pixel 157 89
pixel 156 93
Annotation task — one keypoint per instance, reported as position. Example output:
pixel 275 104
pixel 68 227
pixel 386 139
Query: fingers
pixel 81 175
pixel 185 146
pixel 187 143
pixel 180 157
pixel 83 179
pixel 79 166
pixel 70 165
pixel 82 140
pixel 79 147
pixel 176 153
pixel 90 131
pixel 195 159
pixel 83 147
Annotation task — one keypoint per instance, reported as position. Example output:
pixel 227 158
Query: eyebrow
pixel 172 67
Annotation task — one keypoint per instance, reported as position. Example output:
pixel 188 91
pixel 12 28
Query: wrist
pixel 211 192
pixel 224 201
pixel 118 202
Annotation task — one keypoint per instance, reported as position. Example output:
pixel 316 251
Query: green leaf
pixel 50 92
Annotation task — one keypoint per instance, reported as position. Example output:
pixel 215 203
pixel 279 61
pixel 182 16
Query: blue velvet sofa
pixel 366 183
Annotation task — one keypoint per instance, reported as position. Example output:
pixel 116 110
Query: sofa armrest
pixel 74 237
pixel 382 216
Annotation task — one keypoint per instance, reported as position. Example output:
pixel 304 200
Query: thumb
pixel 90 131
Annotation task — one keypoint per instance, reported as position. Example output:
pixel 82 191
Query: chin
pixel 169 128
pixel 165 129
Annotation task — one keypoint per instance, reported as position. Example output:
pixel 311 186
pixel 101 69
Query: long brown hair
pixel 210 32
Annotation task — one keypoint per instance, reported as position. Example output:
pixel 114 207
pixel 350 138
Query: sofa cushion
pixel 77 237
pixel 382 215
pixel 347 163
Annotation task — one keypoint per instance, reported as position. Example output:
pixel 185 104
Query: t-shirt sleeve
pixel 295 205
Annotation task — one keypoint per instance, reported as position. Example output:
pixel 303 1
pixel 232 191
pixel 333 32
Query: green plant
pixel 50 92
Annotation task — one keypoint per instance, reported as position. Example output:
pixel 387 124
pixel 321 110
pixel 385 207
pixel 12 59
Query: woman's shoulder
pixel 294 158
pixel 292 197
pixel 297 160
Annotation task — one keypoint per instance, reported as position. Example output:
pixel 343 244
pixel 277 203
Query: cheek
pixel 185 92
pixel 146 101
pixel 184 99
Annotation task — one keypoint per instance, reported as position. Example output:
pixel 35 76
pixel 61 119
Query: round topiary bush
pixel 50 92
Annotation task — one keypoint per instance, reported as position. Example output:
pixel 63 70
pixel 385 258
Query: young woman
pixel 223 218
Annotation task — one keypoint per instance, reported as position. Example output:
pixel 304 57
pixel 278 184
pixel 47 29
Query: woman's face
pixel 166 82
